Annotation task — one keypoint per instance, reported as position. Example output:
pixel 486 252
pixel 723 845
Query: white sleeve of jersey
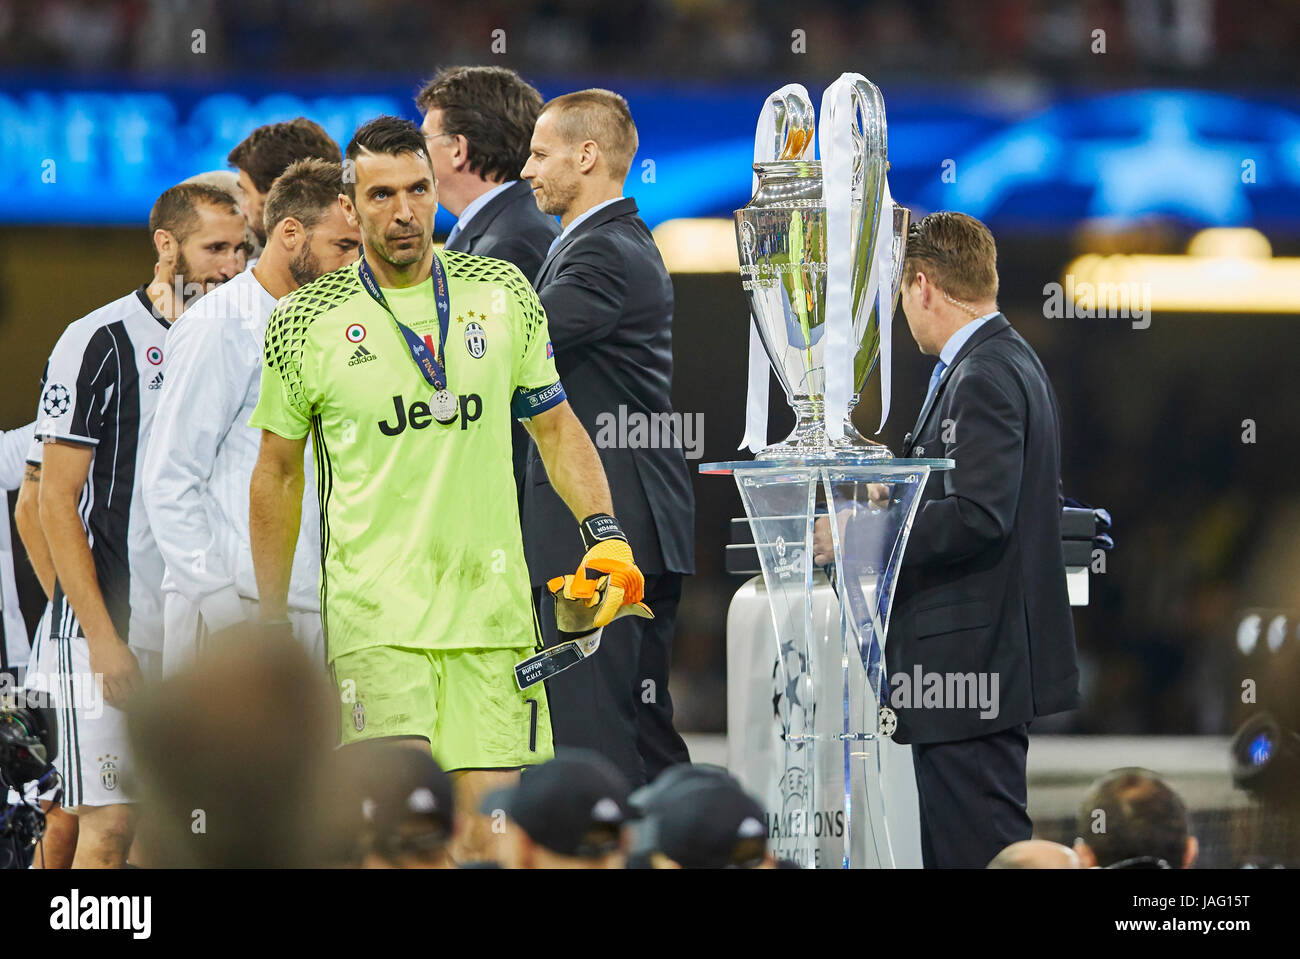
pixel 196 408
pixel 80 377
pixel 14 447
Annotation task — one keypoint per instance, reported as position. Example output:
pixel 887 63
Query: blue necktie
pixel 939 367
pixel 455 230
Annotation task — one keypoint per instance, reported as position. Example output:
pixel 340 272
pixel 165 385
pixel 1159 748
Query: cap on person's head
pixel 679 776
pixel 575 805
pixel 408 802
pixel 711 824
pixel 649 799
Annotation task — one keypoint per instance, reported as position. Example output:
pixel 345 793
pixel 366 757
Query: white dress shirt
pixel 201 457
pixel 959 338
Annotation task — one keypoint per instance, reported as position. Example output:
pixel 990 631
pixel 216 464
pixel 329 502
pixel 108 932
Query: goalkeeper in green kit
pixel 405 368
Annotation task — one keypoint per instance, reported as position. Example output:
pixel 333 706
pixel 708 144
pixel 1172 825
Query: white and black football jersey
pixel 100 389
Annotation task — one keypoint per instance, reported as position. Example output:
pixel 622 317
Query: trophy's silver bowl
pixel 781 236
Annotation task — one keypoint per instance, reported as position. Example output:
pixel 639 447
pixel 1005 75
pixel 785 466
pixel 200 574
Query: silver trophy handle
pixel 795 123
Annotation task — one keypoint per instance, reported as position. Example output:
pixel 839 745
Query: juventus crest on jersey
pixel 100 389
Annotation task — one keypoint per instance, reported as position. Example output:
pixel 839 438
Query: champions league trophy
pixel 821 254
pixel 786 243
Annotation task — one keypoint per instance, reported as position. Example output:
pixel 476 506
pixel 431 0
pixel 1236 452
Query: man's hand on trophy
pixel 878 496
pixel 823 548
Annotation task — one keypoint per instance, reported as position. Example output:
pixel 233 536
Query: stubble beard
pixel 557 198
pixel 190 287
pixel 305 266
pixel 402 258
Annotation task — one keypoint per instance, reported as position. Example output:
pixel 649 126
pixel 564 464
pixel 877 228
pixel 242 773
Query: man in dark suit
pixel 609 304
pixel 477 124
pixel 981 600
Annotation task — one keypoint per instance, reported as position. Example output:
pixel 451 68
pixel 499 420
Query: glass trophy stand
pixel 831 693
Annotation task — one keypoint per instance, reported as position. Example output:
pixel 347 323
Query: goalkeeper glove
pixel 584 603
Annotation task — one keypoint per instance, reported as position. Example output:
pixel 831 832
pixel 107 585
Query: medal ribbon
pixel 421 355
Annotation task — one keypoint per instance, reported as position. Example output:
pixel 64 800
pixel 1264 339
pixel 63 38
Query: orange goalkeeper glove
pixel 584 602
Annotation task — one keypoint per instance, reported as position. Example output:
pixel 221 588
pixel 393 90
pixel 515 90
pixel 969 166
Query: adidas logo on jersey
pixel 362 355
pixel 156 382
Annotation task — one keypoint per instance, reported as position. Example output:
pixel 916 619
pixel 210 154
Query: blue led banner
pixel 82 152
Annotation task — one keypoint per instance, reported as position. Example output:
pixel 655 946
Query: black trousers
pixel 973 797
pixel 617 702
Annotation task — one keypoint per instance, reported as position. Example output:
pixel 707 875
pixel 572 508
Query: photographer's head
pixel 233 758
pixel 1035 854
pixel 950 277
pixel 1132 819
pixel 568 813
pixel 408 805
pixel 709 823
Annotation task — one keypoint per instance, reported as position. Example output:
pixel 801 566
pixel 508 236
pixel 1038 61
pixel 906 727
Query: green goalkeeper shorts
pixel 464 701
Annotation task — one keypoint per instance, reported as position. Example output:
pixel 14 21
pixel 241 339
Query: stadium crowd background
pixel 1152 430
pixel 1204 41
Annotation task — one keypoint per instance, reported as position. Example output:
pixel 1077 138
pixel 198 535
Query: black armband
pixel 599 526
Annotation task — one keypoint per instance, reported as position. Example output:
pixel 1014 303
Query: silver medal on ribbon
pixel 443 405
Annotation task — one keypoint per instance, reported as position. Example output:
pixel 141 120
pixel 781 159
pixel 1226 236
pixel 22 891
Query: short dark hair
pixel 177 209
pixel 1143 817
pixel 385 134
pixel 305 192
pixel 269 150
pixel 493 108
pixel 602 116
pixel 957 252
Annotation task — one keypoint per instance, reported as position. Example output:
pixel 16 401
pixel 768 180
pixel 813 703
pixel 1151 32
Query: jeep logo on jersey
pixel 475 340
pixel 154 355
pixel 420 416
pixel 356 333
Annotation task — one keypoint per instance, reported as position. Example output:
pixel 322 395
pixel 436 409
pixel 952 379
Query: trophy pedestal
pixel 827 808
pixel 758 712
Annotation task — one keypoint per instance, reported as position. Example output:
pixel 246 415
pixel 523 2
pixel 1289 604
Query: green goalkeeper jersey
pixel 420 538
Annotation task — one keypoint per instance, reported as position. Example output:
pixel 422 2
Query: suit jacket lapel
pixel 994 325
pixel 619 208
pixel 481 220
